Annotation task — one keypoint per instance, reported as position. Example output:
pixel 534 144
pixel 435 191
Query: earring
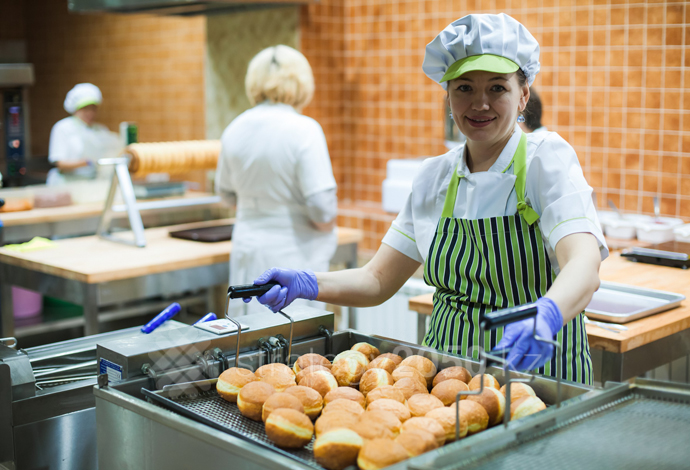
pixel 450 114
pixel 521 118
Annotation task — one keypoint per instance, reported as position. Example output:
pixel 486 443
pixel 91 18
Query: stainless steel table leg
pixel 90 309
pixel 352 264
pixel 7 311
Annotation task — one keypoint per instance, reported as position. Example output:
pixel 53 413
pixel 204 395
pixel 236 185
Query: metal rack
pixel 122 180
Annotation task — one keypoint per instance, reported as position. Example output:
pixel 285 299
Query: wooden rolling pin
pixel 173 157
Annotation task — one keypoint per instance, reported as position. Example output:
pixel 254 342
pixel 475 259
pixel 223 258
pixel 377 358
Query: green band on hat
pixel 86 102
pixel 484 62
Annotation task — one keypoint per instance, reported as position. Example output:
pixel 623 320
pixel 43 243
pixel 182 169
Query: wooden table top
pixel 640 332
pixel 94 260
pixel 74 211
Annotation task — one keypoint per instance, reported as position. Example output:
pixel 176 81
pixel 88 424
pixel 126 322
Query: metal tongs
pixel 490 322
pixel 252 290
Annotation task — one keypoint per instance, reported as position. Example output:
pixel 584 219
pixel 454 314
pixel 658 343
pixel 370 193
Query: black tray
pixel 672 254
pixel 219 233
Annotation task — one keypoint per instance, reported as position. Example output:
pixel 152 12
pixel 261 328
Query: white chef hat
pixel 494 43
pixel 82 95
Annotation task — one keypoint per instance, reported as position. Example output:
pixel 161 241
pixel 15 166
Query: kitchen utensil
pixel 673 254
pixel 613 206
pixel 169 312
pixel 249 290
pixel 620 303
pixel 208 317
pixel 205 234
pixel 657 209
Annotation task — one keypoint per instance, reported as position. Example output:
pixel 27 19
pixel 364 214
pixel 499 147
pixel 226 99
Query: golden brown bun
pixel 493 402
pixel 310 359
pixel 334 420
pixel 289 428
pixel 280 400
pixel 402 372
pixel 393 357
pixel 343 404
pixel 370 351
pixel 374 378
pixel 378 424
pixel 455 372
pixel 348 371
pixel 384 363
pixel 447 390
pixel 518 390
pixel 386 391
pixel 386 404
pixel 409 386
pixel 251 398
pixel 359 357
pixel 417 441
pixel 423 365
pixel 526 406
pixel 426 424
pixel 380 453
pixel 337 449
pixel 446 418
pixel 322 381
pixel 278 375
pixel 348 393
pixel 489 381
pixel 474 414
pixel 310 398
pixel 304 372
pixel 231 382
pixel 421 404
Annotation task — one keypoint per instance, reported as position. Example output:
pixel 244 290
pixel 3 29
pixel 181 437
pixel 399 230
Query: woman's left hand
pixel 527 353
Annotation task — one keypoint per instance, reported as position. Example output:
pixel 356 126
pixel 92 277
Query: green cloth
pixel 36 243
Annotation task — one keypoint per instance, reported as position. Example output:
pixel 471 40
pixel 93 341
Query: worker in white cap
pixel 503 220
pixel 78 141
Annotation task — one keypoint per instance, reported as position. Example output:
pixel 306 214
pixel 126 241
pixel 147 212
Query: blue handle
pixel 169 312
pixel 208 317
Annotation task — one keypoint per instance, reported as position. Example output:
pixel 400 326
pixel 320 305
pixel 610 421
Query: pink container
pixel 26 303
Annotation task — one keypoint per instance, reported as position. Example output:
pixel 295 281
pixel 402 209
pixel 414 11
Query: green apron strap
pixel 451 195
pixel 520 172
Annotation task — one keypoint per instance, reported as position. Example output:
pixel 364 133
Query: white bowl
pixel 657 230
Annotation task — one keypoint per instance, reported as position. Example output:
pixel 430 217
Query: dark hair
pixel 532 112
pixel 521 77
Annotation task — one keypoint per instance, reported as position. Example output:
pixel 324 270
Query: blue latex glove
pixel 527 353
pixel 293 285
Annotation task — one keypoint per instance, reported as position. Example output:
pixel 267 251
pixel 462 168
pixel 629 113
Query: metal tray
pixel 200 402
pixel 621 303
pixel 641 425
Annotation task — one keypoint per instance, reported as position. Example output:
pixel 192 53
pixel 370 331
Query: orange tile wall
pixel 613 84
pixel 149 68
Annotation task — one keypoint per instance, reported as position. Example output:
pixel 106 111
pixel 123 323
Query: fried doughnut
pixel 278 375
pixel 348 393
pixel 426 424
pixel 384 363
pixel 474 414
pixel 446 418
pixel 447 390
pixel 251 398
pixel 289 428
pixel 310 359
pixel 343 404
pixel 380 453
pixel 518 390
pixel 304 372
pixel 455 372
pixel 310 398
pixel 386 404
pixel 371 352
pixel 409 386
pixel 337 449
pixel 361 358
pixel 374 378
pixel 386 391
pixel 420 404
pixel 322 381
pixel 417 441
pixel 489 381
pixel 378 424
pixel 280 400
pixel 231 382
pixel 493 402
pixel 334 420
pixel 526 406
pixel 423 365
pixel 402 372
pixel 348 371
pixel 393 357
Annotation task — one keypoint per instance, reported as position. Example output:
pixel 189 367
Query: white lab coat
pixel 72 140
pixel 274 159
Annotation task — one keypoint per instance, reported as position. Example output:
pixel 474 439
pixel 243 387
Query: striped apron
pixel 482 265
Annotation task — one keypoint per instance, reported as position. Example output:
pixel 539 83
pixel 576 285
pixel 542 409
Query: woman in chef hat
pixel 78 141
pixel 276 162
pixel 502 220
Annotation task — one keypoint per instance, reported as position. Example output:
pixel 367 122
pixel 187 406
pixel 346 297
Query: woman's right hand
pixel 293 285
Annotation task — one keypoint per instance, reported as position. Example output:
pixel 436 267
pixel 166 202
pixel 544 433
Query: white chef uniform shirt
pixel 555 188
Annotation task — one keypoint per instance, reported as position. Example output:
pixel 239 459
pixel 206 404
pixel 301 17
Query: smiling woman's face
pixel 485 105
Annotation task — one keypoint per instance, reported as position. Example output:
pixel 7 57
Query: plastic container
pixel 624 229
pixel 681 233
pixel 26 303
pixel 657 230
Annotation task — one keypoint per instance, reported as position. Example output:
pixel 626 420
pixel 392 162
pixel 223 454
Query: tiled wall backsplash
pixel 613 82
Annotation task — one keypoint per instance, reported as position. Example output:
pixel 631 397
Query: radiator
pixel 393 318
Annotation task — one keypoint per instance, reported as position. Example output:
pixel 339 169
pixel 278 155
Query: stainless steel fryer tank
pixel 134 433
